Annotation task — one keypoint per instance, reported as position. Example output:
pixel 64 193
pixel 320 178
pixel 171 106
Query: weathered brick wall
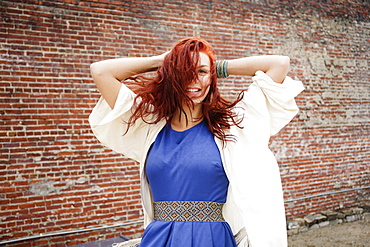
pixel 56 177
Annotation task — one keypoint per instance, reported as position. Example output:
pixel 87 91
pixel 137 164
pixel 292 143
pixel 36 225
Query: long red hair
pixel 164 94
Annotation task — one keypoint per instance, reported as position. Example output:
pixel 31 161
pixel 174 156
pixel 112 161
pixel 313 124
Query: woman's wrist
pixel 221 68
pixel 158 60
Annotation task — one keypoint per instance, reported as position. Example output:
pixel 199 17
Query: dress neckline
pixel 183 131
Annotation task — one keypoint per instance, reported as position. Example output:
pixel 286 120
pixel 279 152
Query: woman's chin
pixel 197 102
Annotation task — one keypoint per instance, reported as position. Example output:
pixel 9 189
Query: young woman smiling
pixel 208 177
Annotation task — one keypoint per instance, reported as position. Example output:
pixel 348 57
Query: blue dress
pixel 186 166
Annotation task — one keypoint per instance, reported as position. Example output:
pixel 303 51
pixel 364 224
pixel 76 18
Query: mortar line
pixel 70 232
pixel 324 194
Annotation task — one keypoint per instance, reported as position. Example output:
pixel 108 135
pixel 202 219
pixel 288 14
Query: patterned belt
pixel 188 211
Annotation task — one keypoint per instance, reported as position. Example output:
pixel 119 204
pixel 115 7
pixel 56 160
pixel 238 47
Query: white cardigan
pixel 255 197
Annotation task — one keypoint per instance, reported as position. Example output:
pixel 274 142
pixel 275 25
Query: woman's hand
pixel 108 74
pixel 273 65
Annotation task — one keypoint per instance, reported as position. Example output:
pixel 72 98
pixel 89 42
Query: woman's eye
pixel 202 72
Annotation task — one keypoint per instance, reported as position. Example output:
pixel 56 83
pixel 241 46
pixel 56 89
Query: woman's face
pixel 198 90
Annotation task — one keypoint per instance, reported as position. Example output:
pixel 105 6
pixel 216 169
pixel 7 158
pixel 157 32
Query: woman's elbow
pixel 285 64
pixel 279 69
pixel 95 69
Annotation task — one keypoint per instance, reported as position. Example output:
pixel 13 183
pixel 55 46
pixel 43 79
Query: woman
pixel 208 177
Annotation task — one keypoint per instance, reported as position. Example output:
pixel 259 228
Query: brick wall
pixel 55 176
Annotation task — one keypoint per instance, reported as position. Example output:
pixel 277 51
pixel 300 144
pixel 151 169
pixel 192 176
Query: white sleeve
pixel 109 125
pixel 270 105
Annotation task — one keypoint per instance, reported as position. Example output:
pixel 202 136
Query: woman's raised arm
pixel 108 74
pixel 274 66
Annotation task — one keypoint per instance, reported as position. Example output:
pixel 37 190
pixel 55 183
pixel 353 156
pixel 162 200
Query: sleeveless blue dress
pixel 186 166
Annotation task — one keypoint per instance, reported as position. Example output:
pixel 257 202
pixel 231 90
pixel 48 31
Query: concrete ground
pixel 353 234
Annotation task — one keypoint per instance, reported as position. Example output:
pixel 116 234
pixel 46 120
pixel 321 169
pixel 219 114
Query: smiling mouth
pixel 192 90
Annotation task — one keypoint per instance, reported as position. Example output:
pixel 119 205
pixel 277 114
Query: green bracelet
pixel 221 69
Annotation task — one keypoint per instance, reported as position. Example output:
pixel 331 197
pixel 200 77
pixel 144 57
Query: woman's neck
pixel 188 118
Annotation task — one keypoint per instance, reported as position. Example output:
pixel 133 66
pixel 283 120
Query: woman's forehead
pixel 204 60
